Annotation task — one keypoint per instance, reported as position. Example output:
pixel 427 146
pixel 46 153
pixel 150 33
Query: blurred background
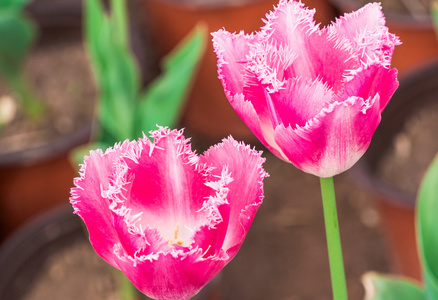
pixel 44 253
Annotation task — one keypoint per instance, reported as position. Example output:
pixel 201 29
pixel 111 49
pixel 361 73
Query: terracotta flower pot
pixel 416 32
pixel 417 93
pixel 35 180
pixel 208 111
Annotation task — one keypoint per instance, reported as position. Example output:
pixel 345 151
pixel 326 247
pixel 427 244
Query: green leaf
pixel 114 67
pixel 13 5
pixel 427 224
pixel 382 287
pixel 163 100
pixel 120 22
pixel 17 34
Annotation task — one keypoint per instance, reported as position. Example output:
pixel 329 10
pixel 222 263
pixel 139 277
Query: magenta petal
pixel 168 218
pixel 172 278
pixel 245 191
pixel 231 50
pixel 365 34
pixel 301 100
pixel 334 140
pixel 87 200
pixel 260 124
pixel 373 80
pixel 291 26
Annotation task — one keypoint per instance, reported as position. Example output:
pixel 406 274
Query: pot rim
pixel 50 150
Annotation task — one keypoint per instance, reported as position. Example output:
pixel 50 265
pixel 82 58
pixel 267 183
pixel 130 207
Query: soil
pixel 69 274
pixel 60 74
pixel 402 167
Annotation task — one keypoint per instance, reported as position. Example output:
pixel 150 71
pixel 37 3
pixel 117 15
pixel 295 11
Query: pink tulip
pixel 312 96
pixel 168 218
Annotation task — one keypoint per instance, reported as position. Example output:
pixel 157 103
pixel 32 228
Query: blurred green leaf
pixel 17 34
pixel 13 5
pixel 162 102
pixel 115 70
pixel 120 22
pixel 427 225
pixel 385 287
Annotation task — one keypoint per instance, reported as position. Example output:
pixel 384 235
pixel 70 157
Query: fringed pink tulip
pixel 168 218
pixel 312 96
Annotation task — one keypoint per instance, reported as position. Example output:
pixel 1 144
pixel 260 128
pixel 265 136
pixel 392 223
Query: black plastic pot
pixel 397 208
pixel 23 255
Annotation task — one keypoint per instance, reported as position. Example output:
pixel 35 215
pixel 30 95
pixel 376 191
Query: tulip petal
pixel 172 163
pixel 171 278
pixel 245 191
pixel 334 140
pixel 259 123
pixel 232 50
pixel 88 201
pixel 292 26
pixel 364 33
pixel 370 81
pixel 301 100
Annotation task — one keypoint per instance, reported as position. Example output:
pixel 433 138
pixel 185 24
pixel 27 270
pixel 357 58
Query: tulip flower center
pixel 175 237
pixel 181 236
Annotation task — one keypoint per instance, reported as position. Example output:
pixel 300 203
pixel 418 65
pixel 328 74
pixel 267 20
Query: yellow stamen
pixel 175 237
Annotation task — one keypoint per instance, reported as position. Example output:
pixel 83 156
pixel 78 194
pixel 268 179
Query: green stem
pixel 333 239
pixel 127 289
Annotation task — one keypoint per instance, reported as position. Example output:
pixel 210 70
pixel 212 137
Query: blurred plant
pixel 17 34
pixel 124 111
pixel 384 287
